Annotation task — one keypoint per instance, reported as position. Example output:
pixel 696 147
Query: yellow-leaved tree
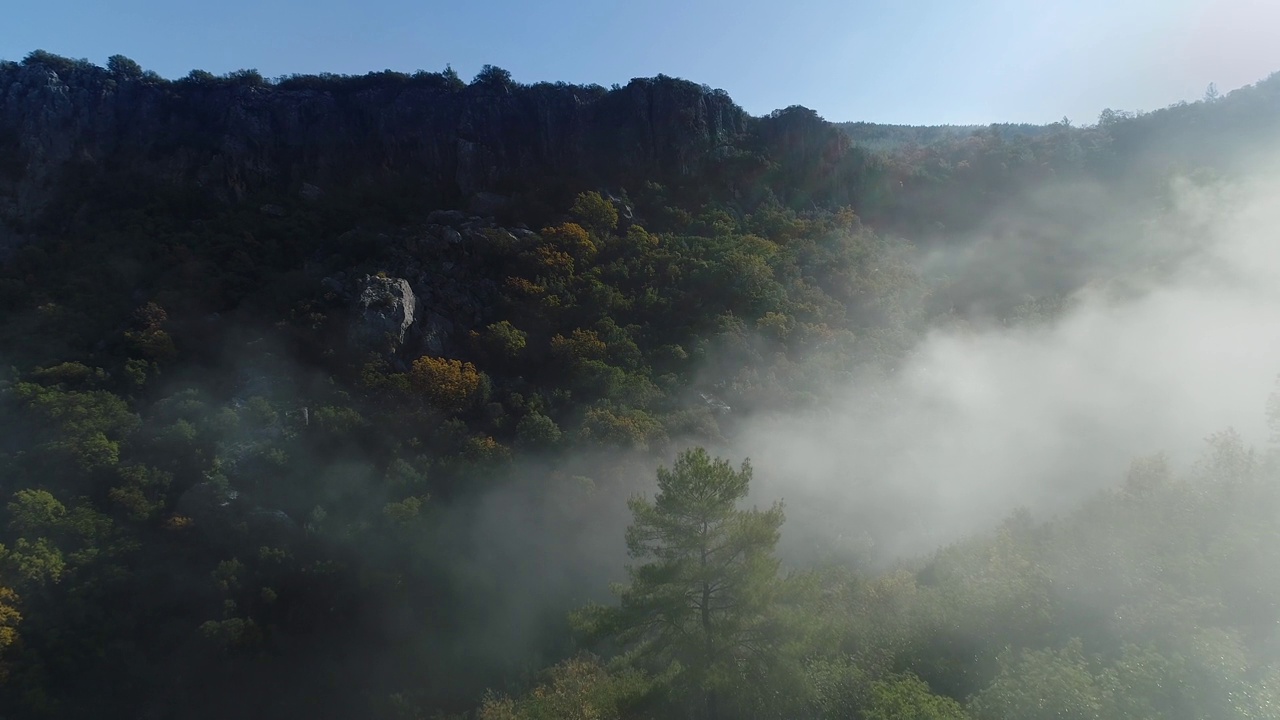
pixel 9 619
pixel 447 383
pixel 572 239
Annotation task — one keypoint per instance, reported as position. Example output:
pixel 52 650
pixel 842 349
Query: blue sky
pixel 906 61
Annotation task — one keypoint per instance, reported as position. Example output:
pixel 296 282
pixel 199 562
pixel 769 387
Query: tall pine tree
pixel 705 590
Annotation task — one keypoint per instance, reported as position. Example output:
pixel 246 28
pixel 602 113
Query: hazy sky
pixel 910 61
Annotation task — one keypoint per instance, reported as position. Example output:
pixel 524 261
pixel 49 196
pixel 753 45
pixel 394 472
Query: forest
pixel 398 396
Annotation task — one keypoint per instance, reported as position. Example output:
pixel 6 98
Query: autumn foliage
pixel 570 238
pixel 446 383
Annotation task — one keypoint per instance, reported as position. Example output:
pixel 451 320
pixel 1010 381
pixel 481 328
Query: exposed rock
pixel 435 332
pixel 385 310
pixel 272 210
pixel 486 203
pixel 233 140
pixel 715 404
pixel 623 207
pixel 452 218
pixel 310 192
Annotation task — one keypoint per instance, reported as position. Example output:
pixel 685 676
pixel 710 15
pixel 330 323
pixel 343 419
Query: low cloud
pixel 982 420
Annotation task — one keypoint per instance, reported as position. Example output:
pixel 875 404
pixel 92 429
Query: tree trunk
pixel 713 712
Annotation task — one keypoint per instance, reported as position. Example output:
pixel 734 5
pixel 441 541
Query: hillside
pixel 322 396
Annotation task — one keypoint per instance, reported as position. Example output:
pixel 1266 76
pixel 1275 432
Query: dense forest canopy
pixel 355 396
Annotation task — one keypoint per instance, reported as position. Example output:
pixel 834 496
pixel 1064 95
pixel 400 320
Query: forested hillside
pixel 324 396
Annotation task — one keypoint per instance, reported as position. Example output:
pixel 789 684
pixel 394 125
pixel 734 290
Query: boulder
pixel 384 313
pixel 435 333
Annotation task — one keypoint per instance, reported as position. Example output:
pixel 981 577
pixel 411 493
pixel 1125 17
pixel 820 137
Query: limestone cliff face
pixel 448 143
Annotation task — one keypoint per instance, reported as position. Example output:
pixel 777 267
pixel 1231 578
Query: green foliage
pixel 404 511
pixel 70 375
pixel 201 78
pixel 580 688
pixel 357 495
pixel 35 512
pixel 246 78
pixel 124 68
pixel 61 65
pixel 704 593
pixel 580 345
pixel 536 431
pixel 909 697
pixel 591 211
pixel 491 76
pixel 484 449
pixel 338 422
pixel 1036 682
pixel 502 341
pixel 621 428
pixel 148 340
pixel 84 427
pixel 231 633
pixel 141 492
pixel 35 563
pixel 451 77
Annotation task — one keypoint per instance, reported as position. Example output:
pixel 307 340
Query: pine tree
pixel 705 592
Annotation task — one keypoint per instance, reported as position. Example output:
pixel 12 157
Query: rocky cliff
pixel 428 139
pixel 239 137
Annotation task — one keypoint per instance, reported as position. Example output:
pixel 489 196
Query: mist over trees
pixel 368 419
pixel 704 601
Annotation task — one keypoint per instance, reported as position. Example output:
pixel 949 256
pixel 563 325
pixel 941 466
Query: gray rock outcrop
pixel 384 313
pixel 233 139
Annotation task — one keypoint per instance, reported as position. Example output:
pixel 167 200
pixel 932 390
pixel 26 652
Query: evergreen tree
pixel 705 592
